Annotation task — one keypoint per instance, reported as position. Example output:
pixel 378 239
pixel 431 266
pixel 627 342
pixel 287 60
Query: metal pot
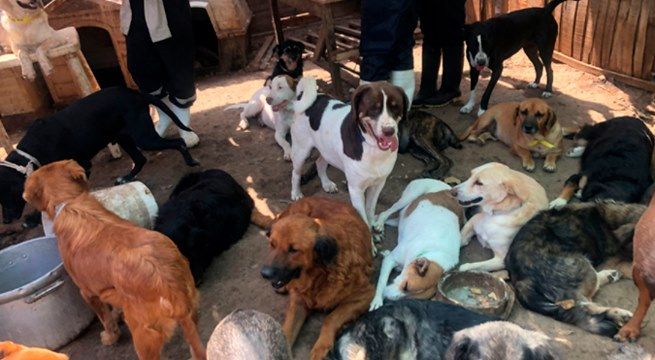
pixel 39 303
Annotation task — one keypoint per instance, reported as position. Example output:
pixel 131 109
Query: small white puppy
pixel 428 241
pixel 273 103
pixel 28 31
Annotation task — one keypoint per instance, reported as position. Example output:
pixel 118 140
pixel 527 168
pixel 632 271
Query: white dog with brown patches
pixel 361 139
pixel 428 241
pixel 508 199
pixel 28 31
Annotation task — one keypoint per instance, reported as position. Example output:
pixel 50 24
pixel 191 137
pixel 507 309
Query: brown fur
pixel 342 284
pixel 441 198
pixel 13 351
pixel 117 264
pixel 507 121
pixel 423 279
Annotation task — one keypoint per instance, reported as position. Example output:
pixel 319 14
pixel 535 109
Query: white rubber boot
pixel 184 114
pixel 164 120
pixel 405 79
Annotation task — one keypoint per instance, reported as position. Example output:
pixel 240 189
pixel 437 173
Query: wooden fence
pixel 614 37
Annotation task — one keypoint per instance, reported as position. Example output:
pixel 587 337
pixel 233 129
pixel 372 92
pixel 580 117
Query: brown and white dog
pixel 643 272
pixel 321 252
pixel 528 128
pixel 116 264
pixel 508 199
pixel 28 31
pixel 361 139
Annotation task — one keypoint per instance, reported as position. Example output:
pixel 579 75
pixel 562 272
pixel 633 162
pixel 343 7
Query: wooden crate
pixel 17 95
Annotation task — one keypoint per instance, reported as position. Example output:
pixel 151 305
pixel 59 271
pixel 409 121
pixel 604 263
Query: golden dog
pixel 321 252
pixel 529 127
pixel 13 351
pixel 117 264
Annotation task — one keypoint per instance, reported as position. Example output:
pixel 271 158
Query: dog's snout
pixel 453 192
pixel 481 61
pixel 268 272
pixel 269 100
pixel 388 131
pixel 529 128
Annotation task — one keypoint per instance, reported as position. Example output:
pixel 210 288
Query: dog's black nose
pixel 529 129
pixel 453 192
pixel 481 61
pixel 268 272
pixel 388 131
pixel 269 100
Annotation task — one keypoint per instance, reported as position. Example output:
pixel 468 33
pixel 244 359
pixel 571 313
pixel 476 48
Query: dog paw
pixel 190 139
pixel 466 109
pixel 320 350
pixel 466 267
pixel 378 226
pixel 287 156
pixel 557 203
pixel 528 167
pixel 47 69
pixel 575 152
pixel 612 276
pixel 481 111
pixel 109 338
pixel 296 195
pixel 619 316
pixel 533 85
pixel 628 333
pixel 549 167
pixel 330 187
pixel 578 194
pixel 29 74
pixel 376 303
pixel 243 125
pixel 546 94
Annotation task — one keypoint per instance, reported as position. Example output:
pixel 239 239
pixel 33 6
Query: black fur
pixel 206 214
pixel 325 249
pixel 81 130
pixel 552 258
pixel 292 49
pixel 316 110
pixel 616 160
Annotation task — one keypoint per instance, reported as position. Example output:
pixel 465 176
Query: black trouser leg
pixel 453 62
pixel 431 61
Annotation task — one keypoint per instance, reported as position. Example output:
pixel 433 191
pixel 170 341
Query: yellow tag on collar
pixel 22 20
pixel 545 143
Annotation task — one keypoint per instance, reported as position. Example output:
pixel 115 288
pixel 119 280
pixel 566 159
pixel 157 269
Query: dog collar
pixel 25 20
pixel 543 142
pixel 32 163
pixel 58 209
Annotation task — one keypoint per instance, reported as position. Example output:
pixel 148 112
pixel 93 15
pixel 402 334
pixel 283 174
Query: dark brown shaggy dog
pixel 117 264
pixel 321 251
pixel 425 136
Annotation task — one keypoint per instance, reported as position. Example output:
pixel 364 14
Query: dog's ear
pixel 406 108
pixel 516 115
pixel 421 265
pixel 550 121
pixel 355 103
pixel 76 172
pixel 325 249
pixel 465 349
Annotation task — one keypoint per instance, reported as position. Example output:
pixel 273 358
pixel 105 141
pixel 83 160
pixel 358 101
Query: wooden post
pixel 5 142
pixel 275 19
pixel 331 51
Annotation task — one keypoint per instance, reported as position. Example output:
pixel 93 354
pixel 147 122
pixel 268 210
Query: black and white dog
pixel 490 42
pixel 79 132
pixel 289 54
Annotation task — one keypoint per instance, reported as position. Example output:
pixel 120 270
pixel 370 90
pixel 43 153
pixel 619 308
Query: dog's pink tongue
pixel 388 143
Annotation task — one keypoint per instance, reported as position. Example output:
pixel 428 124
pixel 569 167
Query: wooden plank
pixel 608 33
pixel 580 28
pixel 266 58
pixel 348 31
pixel 649 57
pixel 621 34
pixel 629 80
pixel 640 42
pixel 254 64
pixel 630 37
pixel 593 11
pixel 599 32
pixel 567 27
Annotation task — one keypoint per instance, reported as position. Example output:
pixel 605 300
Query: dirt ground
pixel 255 160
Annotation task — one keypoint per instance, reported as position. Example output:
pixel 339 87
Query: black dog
pixel 552 261
pixel 615 164
pixel 421 327
pixel 425 136
pixel 290 62
pixel 79 132
pixel 490 42
pixel 206 214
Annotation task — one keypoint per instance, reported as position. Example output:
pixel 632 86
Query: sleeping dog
pixel 361 139
pixel 428 241
pixel 615 163
pixel 490 43
pixel 79 132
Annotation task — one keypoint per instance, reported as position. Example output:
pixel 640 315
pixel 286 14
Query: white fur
pixel 430 231
pixel 557 203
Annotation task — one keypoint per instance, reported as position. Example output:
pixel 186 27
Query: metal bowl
pixel 478 291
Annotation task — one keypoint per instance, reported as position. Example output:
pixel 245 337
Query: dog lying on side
pixel 13 351
pixel 206 214
pixel 248 335
pixel 361 139
pixel 79 132
pixel 116 264
pixel 425 136
pixel 643 272
pixel 529 127
pixel 508 199
pixel 552 261
pixel 491 42
pixel 28 31
pixel 501 340
pixel 405 329
pixel 290 62
pixel 428 241
pixel 615 163
pixel 272 104
pixel 321 252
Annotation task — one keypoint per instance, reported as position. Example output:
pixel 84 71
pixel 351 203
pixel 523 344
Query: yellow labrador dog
pixel 28 31
pixel 507 199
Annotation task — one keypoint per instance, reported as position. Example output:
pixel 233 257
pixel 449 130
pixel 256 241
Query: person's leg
pixel 431 52
pixel 402 74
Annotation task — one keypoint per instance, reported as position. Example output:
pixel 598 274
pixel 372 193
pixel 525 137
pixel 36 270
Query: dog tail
pixel 553 4
pixel 259 219
pixel 306 94
pixel 236 106
pixel 160 104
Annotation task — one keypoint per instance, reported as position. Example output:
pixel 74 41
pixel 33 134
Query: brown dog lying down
pixel 529 127
pixel 643 271
pixel 321 251
pixel 13 351
pixel 117 264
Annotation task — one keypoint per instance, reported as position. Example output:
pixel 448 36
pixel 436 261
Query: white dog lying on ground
pixel 428 241
pixel 273 104
pixel 28 31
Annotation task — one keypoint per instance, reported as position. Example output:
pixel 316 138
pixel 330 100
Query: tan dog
pixel 117 264
pixel 529 127
pixel 13 351
pixel 321 252
pixel 508 199
pixel 28 31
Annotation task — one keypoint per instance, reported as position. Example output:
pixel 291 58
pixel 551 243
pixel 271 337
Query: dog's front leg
pixel 42 57
pixel 468 231
pixel 280 137
pixel 294 318
pixel 484 103
pixel 387 266
pixel 550 164
pixel 475 75
pixel 526 158
pixel 340 316
pixel 299 153
pixel 372 196
pixel 26 66
pixel 494 264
